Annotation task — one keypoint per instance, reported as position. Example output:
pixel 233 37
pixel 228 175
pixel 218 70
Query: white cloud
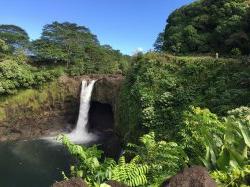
pixel 138 50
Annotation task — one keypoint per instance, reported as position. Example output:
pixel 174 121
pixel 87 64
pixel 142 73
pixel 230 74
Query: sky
pixel 126 25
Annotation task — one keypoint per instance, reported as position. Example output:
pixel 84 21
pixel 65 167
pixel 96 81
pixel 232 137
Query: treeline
pixel 208 26
pixel 62 48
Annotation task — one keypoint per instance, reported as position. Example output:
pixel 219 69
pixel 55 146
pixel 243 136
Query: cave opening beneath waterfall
pixel 101 117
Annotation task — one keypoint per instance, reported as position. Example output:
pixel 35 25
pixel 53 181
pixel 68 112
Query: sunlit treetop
pixel 208 26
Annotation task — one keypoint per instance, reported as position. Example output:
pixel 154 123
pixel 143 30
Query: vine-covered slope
pixel 160 87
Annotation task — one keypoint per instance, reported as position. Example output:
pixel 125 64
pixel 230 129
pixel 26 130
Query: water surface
pixel 34 163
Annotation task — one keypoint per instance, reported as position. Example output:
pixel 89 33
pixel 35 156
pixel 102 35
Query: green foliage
pixel 236 139
pixel 159 42
pixel 3 46
pixel 152 163
pixel 200 131
pixel 87 164
pixel 236 52
pixel 207 26
pixel 3 49
pixel 15 37
pixel 16 75
pixel 235 177
pixel 25 66
pixel 221 144
pixel 79 68
pixel 232 149
pixel 164 159
pixel 63 42
pixel 130 173
pixel 94 172
pixel 157 96
pixel 159 88
pixel 77 47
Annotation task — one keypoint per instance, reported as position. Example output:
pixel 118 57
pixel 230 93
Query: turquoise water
pixel 35 163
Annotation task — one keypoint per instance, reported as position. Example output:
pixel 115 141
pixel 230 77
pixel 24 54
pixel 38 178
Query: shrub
pixel 222 145
pixel 236 52
pixel 17 75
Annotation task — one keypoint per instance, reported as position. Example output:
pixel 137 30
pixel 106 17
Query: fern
pixel 164 159
pixel 132 174
pixel 95 173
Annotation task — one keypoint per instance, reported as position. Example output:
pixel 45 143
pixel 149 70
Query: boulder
pixel 116 184
pixel 195 176
pixel 74 182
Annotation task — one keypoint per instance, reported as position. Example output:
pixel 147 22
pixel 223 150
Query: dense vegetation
pixel 208 26
pixel 163 94
pixel 151 164
pixel 64 48
pixel 173 111
pixel 160 87
pixel 16 75
pixel 161 102
pixel 73 45
pixel 14 36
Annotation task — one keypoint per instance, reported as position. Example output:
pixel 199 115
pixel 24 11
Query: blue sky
pixel 124 24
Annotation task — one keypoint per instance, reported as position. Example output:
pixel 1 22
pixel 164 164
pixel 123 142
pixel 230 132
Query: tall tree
pixel 208 26
pixel 64 42
pixel 158 45
pixel 14 36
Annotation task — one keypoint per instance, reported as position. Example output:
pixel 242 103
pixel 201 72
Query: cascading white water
pixel 80 134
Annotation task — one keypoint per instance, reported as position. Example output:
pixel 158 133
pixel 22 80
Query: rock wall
pixel 53 108
pixel 106 90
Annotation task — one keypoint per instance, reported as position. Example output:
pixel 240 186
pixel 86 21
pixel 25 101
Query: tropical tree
pixel 14 36
pixel 64 42
pixel 208 26
pixel 159 42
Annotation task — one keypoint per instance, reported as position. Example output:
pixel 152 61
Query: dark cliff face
pixel 106 91
pixel 53 109
pixel 101 117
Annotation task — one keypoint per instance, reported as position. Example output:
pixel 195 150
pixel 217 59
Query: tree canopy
pixel 63 42
pixel 77 47
pixel 208 26
pixel 14 36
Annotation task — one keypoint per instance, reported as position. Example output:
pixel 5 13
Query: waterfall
pixel 80 134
